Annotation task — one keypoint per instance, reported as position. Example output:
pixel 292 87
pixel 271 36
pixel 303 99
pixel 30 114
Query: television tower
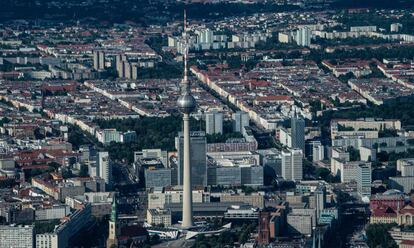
pixel 186 104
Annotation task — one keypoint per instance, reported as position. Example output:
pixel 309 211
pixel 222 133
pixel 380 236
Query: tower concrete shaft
pixel 186 104
pixel 187 189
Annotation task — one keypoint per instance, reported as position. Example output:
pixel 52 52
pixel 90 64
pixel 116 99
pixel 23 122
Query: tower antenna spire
pixel 185 79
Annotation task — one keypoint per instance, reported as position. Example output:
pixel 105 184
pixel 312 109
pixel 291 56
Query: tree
pixel 67 173
pixel 45 226
pixel 378 236
pixel 83 170
pixel 322 173
pixel 353 154
pixel 155 239
pixel 4 120
pixel 54 164
pixel 248 190
pixel 7 183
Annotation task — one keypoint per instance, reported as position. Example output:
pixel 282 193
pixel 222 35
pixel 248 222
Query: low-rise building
pixel 406 167
pixel 159 217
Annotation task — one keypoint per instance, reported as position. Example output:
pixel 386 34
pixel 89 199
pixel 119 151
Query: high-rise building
pixel 214 122
pixel 98 60
pixel 120 66
pixel 17 236
pixel 105 167
pixel 240 120
pixel 316 150
pixel 204 36
pixel 127 70
pixel 298 133
pixel 198 158
pixel 364 179
pixel 303 36
pixel 134 68
pixel 292 164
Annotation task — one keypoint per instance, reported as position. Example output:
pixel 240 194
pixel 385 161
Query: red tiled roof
pixel 383 212
pixel 408 209
pixel 274 98
pixel 407 242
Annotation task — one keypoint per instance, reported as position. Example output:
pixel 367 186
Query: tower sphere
pixel 186 104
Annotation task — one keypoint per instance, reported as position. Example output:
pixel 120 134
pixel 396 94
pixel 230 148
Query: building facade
pixel 17 236
pixel 298 133
pixel 292 164
pixel 240 120
pixel 197 158
pixel 214 122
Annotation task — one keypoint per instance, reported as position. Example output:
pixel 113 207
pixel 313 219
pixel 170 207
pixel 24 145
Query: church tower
pixel 114 227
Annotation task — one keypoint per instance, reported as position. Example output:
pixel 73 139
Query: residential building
pixel 316 150
pixel 364 179
pixel 292 164
pixel 240 120
pixel 285 137
pixel 98 60
pixel 105 167
pixel 214 122
pixel 303 36
pixel 16 236
pixel 54 212
pixel 395 27
pixel 285 37
pixel 106 136
pixel 404 184
pixel 406 167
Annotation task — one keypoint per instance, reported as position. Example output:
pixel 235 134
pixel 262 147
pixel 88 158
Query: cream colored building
pixel 157 199
pixel 368 126
pixel 159 216
pixel 284 38
pixel 256 200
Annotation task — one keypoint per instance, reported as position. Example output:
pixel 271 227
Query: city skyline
pixel 207 123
